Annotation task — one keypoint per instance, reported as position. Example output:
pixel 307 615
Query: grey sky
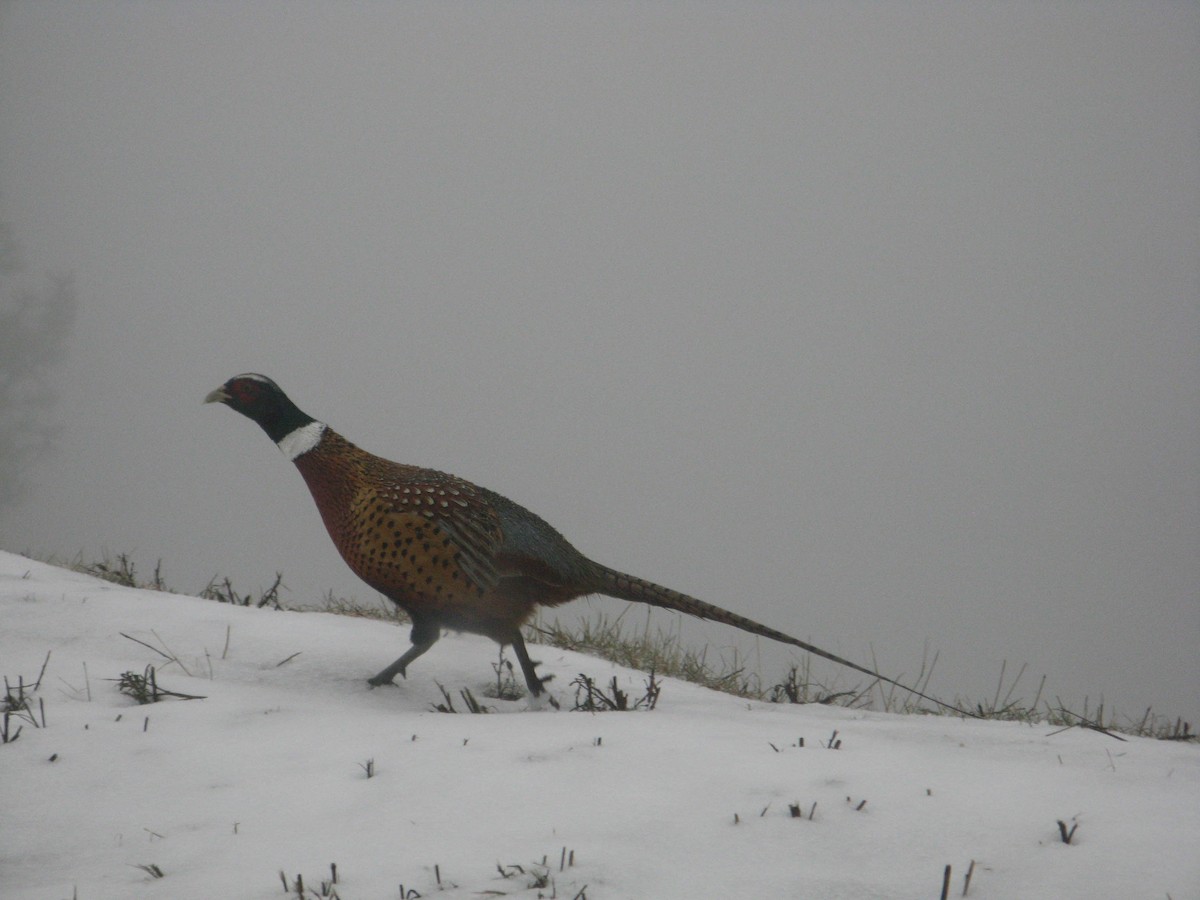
pixel 876 322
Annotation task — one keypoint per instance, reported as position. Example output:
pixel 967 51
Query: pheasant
pixel 452 554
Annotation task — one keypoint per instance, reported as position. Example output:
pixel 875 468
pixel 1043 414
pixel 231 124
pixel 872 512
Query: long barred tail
pixel 627 587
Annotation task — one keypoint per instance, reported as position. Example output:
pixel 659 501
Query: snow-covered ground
pixel 691 800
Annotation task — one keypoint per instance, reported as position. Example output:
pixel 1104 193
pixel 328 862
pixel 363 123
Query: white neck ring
pixel 303 439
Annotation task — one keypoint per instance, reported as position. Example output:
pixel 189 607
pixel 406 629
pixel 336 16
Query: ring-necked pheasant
pixel 450 553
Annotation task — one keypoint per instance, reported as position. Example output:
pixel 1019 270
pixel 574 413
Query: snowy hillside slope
pixel 691 800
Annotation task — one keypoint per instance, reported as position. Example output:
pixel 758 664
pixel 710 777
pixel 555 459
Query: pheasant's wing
pixel 460 511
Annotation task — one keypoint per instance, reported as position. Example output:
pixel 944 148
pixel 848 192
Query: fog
pixel 36 318
pixel 875 322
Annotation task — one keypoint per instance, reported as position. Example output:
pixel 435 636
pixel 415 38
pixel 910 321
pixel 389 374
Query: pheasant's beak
pixel 217 396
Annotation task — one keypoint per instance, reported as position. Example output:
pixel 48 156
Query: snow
pixel 268 773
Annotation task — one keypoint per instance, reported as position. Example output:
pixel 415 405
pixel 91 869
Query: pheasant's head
pixel 259 398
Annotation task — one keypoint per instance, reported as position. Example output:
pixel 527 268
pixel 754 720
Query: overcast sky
pixel 878 323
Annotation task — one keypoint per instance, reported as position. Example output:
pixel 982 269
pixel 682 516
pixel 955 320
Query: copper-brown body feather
pixel 430 541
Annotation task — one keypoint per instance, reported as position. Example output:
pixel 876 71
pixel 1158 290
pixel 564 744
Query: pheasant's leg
pixel 425 633
pixel 528 666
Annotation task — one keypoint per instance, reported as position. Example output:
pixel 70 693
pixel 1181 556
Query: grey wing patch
pixel 529 538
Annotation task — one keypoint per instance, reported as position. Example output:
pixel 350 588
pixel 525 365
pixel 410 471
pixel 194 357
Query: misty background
pixel 878 323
